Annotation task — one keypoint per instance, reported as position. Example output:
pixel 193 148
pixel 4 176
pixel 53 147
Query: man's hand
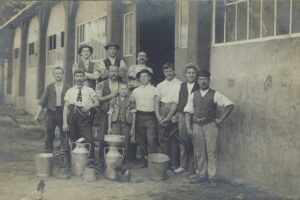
pixel 86 108
pixel 131 132
pixel 218 122
pixel 174 119
pixel 65 127
pixel 159 119
pixel 36 119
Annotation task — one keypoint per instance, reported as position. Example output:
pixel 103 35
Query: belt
pixel 203 120
pixel 145 113
pixel 78 109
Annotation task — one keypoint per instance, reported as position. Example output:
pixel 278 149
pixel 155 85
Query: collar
pixel 112 60
pixel 143 86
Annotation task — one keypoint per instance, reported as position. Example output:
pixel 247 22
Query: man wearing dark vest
pixel 203 115
pixel 91 72
pixel 106 91
pixel 185 94
pixel 53 100
pixel 112 50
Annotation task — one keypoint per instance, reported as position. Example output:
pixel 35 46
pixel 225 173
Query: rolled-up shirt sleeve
pixel 67 96
pixel 123 65
pixel 221 100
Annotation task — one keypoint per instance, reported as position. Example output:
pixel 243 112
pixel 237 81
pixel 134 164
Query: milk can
pixel 79 157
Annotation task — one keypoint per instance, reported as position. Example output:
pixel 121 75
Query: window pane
pixel 296 17
pixel 254 19
pixel 62 39
pixel 54 41
pixel 242 21
pixel 50 43
pixel 230 23
pixel 219 23
pixel 268 18
pixel 283 17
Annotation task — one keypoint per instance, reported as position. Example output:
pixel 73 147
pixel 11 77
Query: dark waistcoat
pixel 183 95
pixel 90 69
pixel 104 106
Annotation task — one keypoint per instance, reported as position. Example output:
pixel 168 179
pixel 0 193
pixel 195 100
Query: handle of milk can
pixel 105 150
pixel 90 146
pixel 123 149
pixel 72 145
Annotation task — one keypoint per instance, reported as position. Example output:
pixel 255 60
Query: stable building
pixel 251 48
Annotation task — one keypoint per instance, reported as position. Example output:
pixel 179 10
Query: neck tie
pixel 79 96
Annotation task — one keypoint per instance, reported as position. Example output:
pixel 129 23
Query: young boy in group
pixel 121 115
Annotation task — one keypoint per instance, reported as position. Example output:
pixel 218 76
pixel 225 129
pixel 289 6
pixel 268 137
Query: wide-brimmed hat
pixel 143 71
pixel 85 46
pixel 111 44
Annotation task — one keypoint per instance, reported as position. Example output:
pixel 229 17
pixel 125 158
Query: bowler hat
pixel 111 44
pixel 143 71
pixel 204 73
pixel 85 46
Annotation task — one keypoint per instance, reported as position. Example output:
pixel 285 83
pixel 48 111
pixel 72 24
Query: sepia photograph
pixel 149 99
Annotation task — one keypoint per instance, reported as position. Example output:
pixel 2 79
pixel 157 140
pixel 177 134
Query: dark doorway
pixel 156 32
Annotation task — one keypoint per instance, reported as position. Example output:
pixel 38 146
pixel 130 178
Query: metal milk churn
pixel 113 157
pixel 79 157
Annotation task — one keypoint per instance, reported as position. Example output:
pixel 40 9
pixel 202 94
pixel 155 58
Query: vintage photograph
pixel 149 99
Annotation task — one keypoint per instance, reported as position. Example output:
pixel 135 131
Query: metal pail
pixel 157 166
pixel 44 164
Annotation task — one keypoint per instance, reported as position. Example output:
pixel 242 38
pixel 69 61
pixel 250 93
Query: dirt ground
pixel 18 145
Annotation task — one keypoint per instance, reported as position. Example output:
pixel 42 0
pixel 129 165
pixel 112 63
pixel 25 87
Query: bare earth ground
pixel 17 177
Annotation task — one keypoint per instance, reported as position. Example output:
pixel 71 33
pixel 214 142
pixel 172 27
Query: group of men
pixel 175 118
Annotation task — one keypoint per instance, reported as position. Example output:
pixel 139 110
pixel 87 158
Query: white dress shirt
pixel 112 61
pixel 87 95
pixel 58 91
pixel 190 96
pixel 168 91
pixel 144 98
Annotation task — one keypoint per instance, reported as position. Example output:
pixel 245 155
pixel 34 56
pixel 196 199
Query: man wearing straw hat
pixel 112 51
pixel 85 52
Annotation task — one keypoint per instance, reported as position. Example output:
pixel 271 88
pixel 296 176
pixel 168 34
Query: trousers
pixel 186 151
pixel 205 148
pixel 169 145
pixel 81 126
pixel 146 132
pixel 53 119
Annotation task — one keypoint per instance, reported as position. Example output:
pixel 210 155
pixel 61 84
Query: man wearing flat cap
pixel 202 114
pixel 85 52
pixel 112 50
pixel 144 97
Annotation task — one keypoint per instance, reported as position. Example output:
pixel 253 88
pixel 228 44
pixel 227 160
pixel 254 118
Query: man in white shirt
pixel 77 116
pixel 166 99
pixel 202 112
pixel 142 60
pixel 145 116
pixel 112 50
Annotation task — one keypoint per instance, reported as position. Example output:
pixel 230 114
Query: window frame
pixel 260 38
pixel 179 24
pixel 125 54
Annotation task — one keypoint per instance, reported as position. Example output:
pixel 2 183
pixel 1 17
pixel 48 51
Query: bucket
pixel 157 166
pixel 44 164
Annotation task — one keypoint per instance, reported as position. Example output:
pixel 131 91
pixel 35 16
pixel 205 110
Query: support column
pixel 71 8
pixel 43 24
pixel 23 58
pixel 10 38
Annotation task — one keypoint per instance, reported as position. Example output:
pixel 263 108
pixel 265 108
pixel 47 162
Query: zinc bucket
pixel 157 166
pixel 44 164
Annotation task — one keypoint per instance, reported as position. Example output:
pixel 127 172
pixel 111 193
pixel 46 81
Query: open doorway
pixel 156 32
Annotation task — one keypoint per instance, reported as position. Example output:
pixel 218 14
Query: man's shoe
pixel 193 176
pixel 179 170
pixel 198 180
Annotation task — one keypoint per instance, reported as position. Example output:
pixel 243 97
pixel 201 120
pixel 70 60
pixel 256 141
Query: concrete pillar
pixel 10 37
pixel 44 13
pixel 23 56
pixel 71 8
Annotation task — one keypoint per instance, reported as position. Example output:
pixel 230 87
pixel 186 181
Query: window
pixel 183 23
pixel 16 53
pixel 62 39
pixel 52 42
pixel 55 49
pixel 94 34
pixel 238 20
pixel 31 48
pixel 128 34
